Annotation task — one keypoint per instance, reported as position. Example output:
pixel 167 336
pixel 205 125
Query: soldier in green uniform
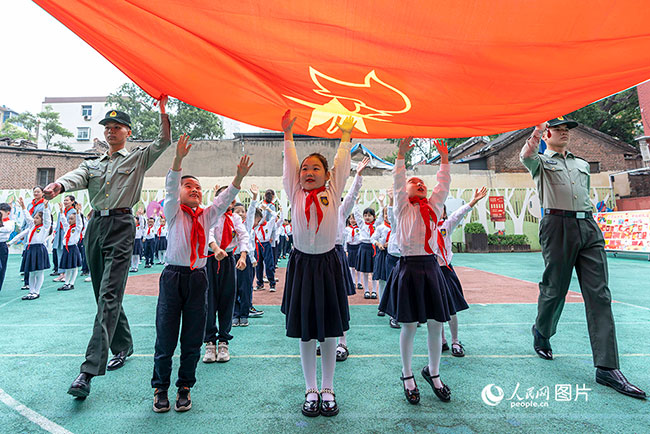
pixel 570 238
pixel 114 181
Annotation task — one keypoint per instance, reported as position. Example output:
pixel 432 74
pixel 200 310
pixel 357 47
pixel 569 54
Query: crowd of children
pixel 400 255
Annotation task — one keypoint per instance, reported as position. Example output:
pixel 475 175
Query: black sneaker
pixel 160 401
pixel 183 399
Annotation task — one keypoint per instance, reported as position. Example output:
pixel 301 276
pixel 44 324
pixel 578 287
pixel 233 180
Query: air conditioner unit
pixel 87 118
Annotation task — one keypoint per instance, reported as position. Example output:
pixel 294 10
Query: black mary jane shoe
pixel 366 295
pixel 380 313
pixel 445 346
pixel 311 408
pixel 342 353
pixel 444 393
pixel 328 408
pixel 457 349
pixel 373 295
pixel 412 396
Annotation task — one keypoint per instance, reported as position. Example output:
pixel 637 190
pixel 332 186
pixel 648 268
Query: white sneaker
pixel 223 355
pixel 271 289
pixel 88 279
pixel 265 280
pixel 210 353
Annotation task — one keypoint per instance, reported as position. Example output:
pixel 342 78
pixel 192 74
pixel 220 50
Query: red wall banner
pixel 497 208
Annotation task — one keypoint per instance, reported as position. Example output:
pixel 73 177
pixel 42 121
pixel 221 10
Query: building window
pixel 480 164
pixel 594 167
pixel 44 176
pixel 86 111
pixel 83 134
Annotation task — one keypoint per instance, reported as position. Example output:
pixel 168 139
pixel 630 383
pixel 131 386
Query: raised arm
pixel 441 190
pixel 399 176
pixel 351 197
pixel 341 167
pixel 291 169
pixel 529 153
pixel 164 139
pixel 71 181
pixel 47 217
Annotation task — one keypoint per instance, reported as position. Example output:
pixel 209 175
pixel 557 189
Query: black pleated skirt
pixel 161 244
pixel 353 254
pixel 365 261
pixel 347 276
pixel 70 258
pixel 416 291
pixel 455 290
pixel 36 258
pixel 315 302
pixel 390 261
pixel 379 266
pixel 137 247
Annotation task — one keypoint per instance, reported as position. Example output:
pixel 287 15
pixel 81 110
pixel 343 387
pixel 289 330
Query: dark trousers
pixel 149 251
pixel 110 245
pixel 244 295
pixel 55 261
pixel 4 255
pixel 181 298
pixel 276 255
pixel 221 298
pixel 84 262
pixel 289 244
pixel 265 262
pixel 568 243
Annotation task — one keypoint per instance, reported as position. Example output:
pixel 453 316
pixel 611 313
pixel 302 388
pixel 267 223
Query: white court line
pixel 31 415
pixel 10 301
pixel 352 356
pixel 633 305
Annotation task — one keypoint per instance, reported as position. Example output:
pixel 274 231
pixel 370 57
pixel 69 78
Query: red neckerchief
pixel 371 227
pixel 149 229
pixel 261 227
pixel 160 229
pixel 427 215
pixel 198 234
pixel 389 230
pixel 35 204
pixel 290 230
pixel 6 219
pixel 354 229
pixel 65 215
pixel 67 236
pixel 32 234
pixel 228 227
pixel 312 197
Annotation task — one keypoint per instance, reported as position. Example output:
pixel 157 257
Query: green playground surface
pixel 261 389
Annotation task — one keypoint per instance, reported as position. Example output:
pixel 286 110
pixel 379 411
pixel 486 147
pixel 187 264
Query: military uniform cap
pixel 116 116
pixel 561 120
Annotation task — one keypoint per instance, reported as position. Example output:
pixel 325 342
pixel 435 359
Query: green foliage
pixel 50 127
pixel 618 115
pixel 507 240
pixel 28 121
pixel 184 118
pixel 14 133
pixel 474 228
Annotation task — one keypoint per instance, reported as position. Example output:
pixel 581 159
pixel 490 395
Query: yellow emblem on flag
pixel 113 114
pixel 561 118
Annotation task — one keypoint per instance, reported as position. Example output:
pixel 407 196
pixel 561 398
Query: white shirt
pixel 364 228
pixel 149 233
pixel 381 234
pixel 393 241
pixel 263 232
pixel 240 237
pixel 248 224
pixel 40 235
pixel 349 239
pixel 75 233
pixel 161 230
pixel 346 208
pixel 140 227
pixel 6 229
pixel 410 226
pixel 447 228
pixel 306 239
pixel 180 223
pixel 288 229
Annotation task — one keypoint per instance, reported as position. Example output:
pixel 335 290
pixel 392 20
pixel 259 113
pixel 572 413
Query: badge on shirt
pixel 443 232
pixel 324 200
pixel 551 162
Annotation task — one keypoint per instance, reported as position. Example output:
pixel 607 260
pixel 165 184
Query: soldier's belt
pixel 111 212
pixel 570 214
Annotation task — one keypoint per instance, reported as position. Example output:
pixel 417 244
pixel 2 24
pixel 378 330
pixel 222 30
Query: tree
pixel 618 115
pixel 50 127
pixel 199 124
pixel 28 121
pixel 13 132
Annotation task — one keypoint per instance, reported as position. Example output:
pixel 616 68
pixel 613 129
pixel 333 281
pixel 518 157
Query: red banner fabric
pixel 433 68
pixel 497 208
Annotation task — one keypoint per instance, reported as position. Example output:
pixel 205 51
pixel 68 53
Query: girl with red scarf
pixel 315 300
pixel 416 289
pixel 36 257
pixel 71 228
pixel 35 206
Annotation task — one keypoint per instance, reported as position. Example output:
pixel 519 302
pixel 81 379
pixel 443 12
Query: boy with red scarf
pixel 183 282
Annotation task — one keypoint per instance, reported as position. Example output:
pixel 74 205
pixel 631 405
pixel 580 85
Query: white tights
pixel 355 275
pixel 135 261
pixel 328 363
pixel 36 281
pixel 453 328
pixel 71 275
pixel 366 277
pixel 161 255
pixel 434 344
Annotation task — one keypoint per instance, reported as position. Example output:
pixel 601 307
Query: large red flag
pixel 434 68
